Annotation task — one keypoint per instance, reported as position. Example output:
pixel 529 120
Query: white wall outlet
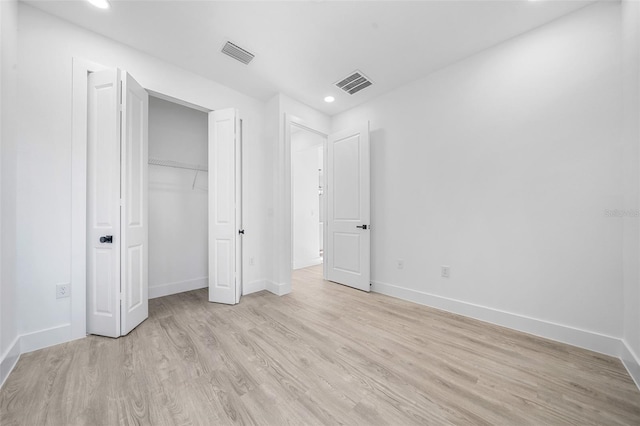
pixel 400 263
pixel 445 271
pixel 63 290
pixel 252 261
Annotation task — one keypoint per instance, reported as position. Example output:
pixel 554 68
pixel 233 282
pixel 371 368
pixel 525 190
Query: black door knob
pixel 106 239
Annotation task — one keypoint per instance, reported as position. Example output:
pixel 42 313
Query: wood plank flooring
pixel 325 354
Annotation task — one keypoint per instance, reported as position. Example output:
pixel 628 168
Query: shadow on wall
pixel 378 150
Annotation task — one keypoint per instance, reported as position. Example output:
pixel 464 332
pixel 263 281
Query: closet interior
pixel 178 198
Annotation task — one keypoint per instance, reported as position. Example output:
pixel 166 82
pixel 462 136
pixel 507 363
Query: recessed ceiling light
pixel 329 99
pixel 101 4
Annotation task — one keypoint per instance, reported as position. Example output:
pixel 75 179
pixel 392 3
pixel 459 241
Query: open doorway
pixel 307 198
pixel 343 204
pixel 178 196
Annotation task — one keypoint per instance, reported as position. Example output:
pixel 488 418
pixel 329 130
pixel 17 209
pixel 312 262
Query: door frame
pixel 292 120
pixel 79 103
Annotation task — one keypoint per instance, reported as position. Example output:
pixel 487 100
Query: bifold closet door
pixel 225 206
pixel 117 208
pixel 134 276
pixel 103 203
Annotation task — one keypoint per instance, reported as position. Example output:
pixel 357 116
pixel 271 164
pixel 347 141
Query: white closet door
pixel 348 215
pixel 239 225
pixel 134 210
pixel 224 206
pixel 103 204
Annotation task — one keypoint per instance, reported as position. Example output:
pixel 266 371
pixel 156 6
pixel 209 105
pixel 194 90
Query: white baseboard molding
pixel 279 289
pixel 168 289
pixel 307 262
pixel 9 359
pixel 631 362
pixel 596 342
pixel 253 287
pixel 44 338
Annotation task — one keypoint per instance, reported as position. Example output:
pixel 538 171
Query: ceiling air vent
pixel 354 83
pixel 237 52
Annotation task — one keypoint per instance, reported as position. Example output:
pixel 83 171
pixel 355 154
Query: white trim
pixel 307 262
pixel 177 101
pixel 278 289
pixel 254 287
pixel 44 338
pixel 9 360
pixel 631 361
pixel 596 342
pixel 81 70
pixel 166 289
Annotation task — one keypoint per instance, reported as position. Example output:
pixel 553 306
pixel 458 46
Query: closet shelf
pixel 177 165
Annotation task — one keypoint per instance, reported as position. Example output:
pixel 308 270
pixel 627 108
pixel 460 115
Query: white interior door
pixel 224 206
pixel 348 208
pixel 117 210
pixel 103 204
pixel 134 275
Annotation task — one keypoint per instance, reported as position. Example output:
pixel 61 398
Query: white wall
pixel 306 153
pixel 46 46
pixel 9 346
pixel 631 142
pixel 501 166
pixel 178 220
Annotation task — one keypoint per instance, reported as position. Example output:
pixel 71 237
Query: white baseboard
pixel 9 359
pixel 253 287
pixel 307 262
pixel 596 342
pixel 167 289
pixel 279 289
pixel 44 338
pixel 631 361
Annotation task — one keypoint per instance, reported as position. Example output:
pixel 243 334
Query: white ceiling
pixel 302 48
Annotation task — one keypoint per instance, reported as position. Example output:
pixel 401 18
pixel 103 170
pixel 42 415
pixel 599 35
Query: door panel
pixel 224 204
pixel 346 178
pixel 347 252
pixel 348 205
pixel 103 203
pixel 134 212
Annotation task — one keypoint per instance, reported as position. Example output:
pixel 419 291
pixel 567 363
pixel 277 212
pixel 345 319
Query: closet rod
pixel 177 165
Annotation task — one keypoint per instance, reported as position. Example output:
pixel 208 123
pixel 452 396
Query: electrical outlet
pixel 445 271
pixel 63 290
pixel 400 263
pixel 251 261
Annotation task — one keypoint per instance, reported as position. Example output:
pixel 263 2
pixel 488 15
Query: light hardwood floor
pixel 325 354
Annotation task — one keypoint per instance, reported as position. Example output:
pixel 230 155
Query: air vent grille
pixel 354 83
pixel 238 53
